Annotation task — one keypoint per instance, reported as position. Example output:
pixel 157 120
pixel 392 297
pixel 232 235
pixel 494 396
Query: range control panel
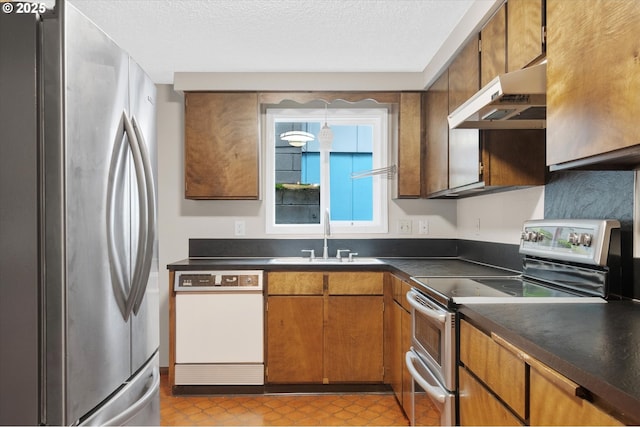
pixel 201 281
pixel 584 241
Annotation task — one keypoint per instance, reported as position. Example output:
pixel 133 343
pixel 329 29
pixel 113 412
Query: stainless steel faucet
pixel 327 233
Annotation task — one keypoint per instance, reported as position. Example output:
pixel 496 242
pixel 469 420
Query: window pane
pixel 297 190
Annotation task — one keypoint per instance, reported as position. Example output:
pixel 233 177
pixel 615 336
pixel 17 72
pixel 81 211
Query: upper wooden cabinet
pixel 493 53
pixel 464 82
pixel 410 135
pixel 221 145
pixel 436 109
pixel 525 32
pixel 593 82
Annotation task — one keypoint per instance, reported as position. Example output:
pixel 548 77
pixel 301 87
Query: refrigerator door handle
pixel 136 281
pixel 119 276
pixel 150 223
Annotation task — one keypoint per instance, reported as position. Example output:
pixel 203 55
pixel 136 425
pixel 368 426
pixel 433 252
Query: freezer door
pixel 88 334
pixel 145 315
pixel 136 404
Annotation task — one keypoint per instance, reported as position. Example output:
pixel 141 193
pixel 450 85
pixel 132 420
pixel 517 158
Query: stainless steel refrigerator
pixel 78 249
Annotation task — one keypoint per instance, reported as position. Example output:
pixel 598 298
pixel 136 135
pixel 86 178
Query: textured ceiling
pixel 167 36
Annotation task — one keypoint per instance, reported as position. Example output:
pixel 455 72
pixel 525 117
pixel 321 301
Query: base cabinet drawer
pixel 482 355
pixel 478 407
pixel 553 401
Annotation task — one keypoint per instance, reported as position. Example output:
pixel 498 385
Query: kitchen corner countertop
pixel 595 345
pixel 417 266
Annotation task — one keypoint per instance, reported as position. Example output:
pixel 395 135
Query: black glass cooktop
pixel 462 290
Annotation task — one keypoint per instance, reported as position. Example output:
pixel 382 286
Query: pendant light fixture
pixel 325 136
pixel 296 138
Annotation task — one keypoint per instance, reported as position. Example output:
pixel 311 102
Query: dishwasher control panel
pixel 216 281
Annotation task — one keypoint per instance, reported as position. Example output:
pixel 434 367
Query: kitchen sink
pixel 328 261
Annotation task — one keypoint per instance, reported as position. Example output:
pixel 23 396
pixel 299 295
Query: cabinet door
pixel 407 380
pixel 478 407
pixel 493 55
pixel 221 145
pixel 464 148
pixel 524 32
pixel 553 401
pixel 353 339
pixel 592 78
pixel 355 283
pixel 410 145
pixel 481 355
pixel 436 109
pixel 294 339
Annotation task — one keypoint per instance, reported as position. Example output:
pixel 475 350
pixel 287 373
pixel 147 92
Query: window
pixel 303 183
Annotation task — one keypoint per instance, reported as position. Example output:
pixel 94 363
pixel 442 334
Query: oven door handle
pixel 435 392
pixel 429 312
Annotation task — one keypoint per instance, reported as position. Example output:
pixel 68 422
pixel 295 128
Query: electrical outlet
pixel 404 226
pixel 423 226
pixel 240 229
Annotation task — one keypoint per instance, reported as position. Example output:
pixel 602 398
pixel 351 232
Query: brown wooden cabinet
pixel 593 82
pixel 493 52
pixel 464 82
pixel 525 32
pixel 398 340
pixel 436 110
pixel 479 407
pixel 555 401
pixel 324 327
pixel 221 145
pixel 512 387
pixel 410 136
pixel 502 371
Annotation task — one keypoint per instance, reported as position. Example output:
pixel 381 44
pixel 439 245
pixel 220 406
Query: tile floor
pixel 370 409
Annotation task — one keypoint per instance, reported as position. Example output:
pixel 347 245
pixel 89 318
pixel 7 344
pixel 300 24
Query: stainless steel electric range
pixel 564 261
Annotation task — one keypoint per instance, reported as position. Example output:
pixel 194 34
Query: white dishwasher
pixel 219 328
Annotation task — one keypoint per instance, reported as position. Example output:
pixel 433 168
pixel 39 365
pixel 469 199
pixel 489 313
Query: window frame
pixel 379 119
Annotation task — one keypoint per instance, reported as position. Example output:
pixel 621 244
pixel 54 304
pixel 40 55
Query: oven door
pixel 434 337
pixel 432 404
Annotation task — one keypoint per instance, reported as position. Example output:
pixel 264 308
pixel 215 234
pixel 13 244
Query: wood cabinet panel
pixel 464 144
pixel 593 78
pixel 294 339
pixel 481 355
pixel 356 283
pixel 524 32
pixel 221 145
pixel 353 339
pixel 513 157
pixel 410 145
pixel 436 107
pixel 493 56
pixel 295 283
pixel 405 345
pixel 554 402
pixel 478 407
pixel 464 74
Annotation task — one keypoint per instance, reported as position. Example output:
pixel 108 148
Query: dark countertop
pixel 595 345
pixel 417 266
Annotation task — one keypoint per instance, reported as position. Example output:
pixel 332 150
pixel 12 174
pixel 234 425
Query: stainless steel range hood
pixel 515 100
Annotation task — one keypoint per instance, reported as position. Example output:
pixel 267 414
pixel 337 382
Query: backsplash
pixel 597 195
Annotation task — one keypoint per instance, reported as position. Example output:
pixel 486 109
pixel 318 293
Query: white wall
pixel 501 215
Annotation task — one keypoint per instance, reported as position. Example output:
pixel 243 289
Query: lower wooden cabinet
pixel 295 339
pixel 398 340
pixel 478 407
pixel 554 402
pixel 502 385
pixel 324 327
pixel 353 339
pixel 496 366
